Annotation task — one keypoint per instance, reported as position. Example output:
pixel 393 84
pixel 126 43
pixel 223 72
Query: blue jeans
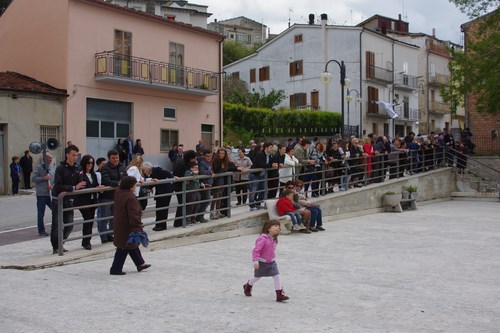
pixel 42 201
pixel 256 189
pixel 316 217
pixel 106 224
pixel 296 218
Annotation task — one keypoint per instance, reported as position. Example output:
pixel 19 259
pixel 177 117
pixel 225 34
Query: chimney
pixel 311 19
pixel 433 32
pixel 399 17
pixel 324 19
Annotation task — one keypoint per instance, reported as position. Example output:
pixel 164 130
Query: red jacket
pixel 284 205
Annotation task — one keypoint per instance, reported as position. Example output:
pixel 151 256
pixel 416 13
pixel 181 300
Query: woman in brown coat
pixel 127 219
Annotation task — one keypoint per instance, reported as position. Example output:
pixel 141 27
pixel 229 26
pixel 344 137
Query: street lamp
pixel 349 99
pixel 326 77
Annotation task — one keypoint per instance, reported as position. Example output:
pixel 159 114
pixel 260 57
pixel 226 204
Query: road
pixel 18 221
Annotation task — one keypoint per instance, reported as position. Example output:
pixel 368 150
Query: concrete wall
pixel 22 118
pixel 432 185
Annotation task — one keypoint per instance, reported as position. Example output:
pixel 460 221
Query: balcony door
pixel 123 51
pixel 176 60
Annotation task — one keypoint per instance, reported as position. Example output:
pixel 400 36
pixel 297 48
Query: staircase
pixel 477 181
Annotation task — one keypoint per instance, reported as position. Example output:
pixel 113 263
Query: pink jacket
pixel 265 247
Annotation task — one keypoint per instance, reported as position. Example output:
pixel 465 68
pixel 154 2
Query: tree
pixel 475 72
pixel 233 51
pixel 476 8
pixel 236 92
pixel 3 5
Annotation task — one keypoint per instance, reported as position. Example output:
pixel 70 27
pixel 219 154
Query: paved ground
pixel 436 269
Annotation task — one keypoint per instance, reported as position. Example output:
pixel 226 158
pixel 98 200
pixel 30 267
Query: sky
pixel 422 15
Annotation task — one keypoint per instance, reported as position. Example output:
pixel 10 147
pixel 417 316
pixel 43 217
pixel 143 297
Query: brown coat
pixel 127 218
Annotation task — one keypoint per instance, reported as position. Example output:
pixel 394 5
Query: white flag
pixel 389 108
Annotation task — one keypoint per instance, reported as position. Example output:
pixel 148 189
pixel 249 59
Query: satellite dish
pixel 52 144
pixel 35 147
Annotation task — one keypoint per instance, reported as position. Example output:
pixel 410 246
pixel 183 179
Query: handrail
pixel 321 179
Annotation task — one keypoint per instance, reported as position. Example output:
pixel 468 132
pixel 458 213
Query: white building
pixel 378 67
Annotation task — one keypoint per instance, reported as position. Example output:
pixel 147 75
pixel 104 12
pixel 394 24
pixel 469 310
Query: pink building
pixel 124 71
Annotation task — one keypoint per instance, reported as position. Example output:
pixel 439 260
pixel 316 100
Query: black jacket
pixel 110 176
pixel 88 198
pixel 66 176
pixel 160 174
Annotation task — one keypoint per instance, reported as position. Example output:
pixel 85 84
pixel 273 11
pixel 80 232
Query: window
pixel 108 129
pixel 264 73
pixel 370 64
pixel 122 130
pixel 47 132
pixel 406 107
pixel 123 50
pixel 298 100
pixel 92 128
pixel 168 138
pixel 235 75
pixel 169 112
pixel 296 68
pixel 297 38
pixel 176 59
pixel 123 42
pixel 372 96
pixel 252 75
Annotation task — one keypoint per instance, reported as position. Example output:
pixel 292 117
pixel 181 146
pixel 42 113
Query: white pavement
pixel 436 269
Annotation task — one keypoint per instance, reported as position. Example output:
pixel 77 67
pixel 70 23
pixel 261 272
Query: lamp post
pixel 326 77
pixel 349 100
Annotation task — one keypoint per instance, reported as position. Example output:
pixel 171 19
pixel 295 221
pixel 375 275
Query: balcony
pixel 406 113
pixel 375 110
pixel 439 107
pixel 145 73
pixel 439 79
pixel 378 74
pixel 406 82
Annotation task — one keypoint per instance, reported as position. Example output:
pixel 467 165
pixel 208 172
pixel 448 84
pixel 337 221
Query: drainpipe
pixel 325 56
pixel 221 132
pixel 393 127
pixel 361 82
pixel 427 97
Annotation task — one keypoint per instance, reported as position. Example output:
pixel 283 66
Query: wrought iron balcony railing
pixel 118 68
pixel 406 113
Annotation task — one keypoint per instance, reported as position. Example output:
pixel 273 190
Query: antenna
pixel 290 11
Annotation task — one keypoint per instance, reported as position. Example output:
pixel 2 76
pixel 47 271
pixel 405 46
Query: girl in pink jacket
pixel 263 259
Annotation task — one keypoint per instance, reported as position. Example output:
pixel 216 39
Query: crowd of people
pixel 293 172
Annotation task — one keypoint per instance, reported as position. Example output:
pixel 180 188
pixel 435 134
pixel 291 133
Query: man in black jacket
pixel 163 193
pixel 179 171
pixel 111 173
pixel 264 160
pixel 26 164
pixel 67 178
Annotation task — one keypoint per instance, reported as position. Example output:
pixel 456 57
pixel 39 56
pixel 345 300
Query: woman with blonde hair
pixel 134 169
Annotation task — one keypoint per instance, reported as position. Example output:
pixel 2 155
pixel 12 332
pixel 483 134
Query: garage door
pixel 106 122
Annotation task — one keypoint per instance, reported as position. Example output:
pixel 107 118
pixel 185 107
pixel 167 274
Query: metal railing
pixel 379 73
pixel 111 64
pixel 406 81
pixel 321 179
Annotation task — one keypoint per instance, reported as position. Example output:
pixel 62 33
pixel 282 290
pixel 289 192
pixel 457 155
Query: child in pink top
pixel 263 259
